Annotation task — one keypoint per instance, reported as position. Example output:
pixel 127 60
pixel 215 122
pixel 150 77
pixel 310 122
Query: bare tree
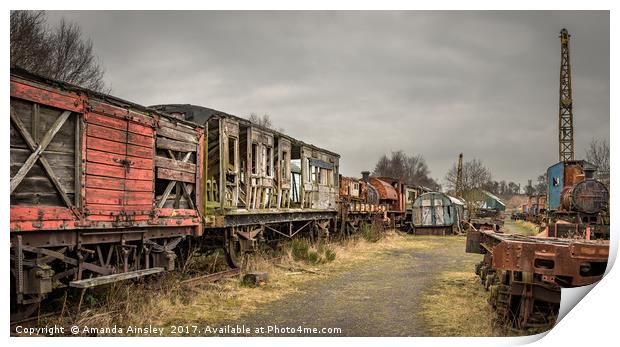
pixel 60 52
pixel 541 185
pixel 475 176
pixel 264 121
pixel 598 154
pixel 409 169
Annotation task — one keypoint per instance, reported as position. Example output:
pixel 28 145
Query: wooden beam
pixel 177 135
pixel 97 281
pixel 174 164
pixel 171 184
pixel 174 175
pixel 174 145
pixel 46 166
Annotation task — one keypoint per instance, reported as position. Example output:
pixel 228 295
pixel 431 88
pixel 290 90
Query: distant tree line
pixel 411 169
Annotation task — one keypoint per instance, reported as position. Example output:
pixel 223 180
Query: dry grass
pixel 456 306
pixel 526 228
pixel 165 301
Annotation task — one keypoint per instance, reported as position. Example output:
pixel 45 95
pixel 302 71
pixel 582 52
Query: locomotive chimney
pixel 365 175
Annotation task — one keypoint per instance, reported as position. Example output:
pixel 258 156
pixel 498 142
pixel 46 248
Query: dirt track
pixel 381 297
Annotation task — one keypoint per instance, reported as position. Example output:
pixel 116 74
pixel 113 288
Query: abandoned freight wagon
pixel 249 191
pixel 100 188
pixel 436 213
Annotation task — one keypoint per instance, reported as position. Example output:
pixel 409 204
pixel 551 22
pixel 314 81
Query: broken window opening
pixel 254 159
pixel 232 144
pixel 269 162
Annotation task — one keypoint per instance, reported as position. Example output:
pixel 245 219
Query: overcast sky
pixel 366 83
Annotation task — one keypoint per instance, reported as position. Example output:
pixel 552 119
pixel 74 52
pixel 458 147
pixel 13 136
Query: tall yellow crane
pixel 567 151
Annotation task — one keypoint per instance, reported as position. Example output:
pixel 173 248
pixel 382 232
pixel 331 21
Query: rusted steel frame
pixel 68 260
pixel 231 220
pixel 38 149
pixel 63 238
pixel 290 234
pixel 550 258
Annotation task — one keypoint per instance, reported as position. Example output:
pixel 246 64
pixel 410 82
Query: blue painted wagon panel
pixel 555 183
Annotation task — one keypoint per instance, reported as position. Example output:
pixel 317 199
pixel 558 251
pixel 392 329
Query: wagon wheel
pixel 234 255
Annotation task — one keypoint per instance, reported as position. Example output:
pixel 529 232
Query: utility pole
pixel 459 178
pixel 567 151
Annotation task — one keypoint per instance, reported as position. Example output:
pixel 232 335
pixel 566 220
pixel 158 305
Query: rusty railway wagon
pixel 525 274
pixel 252 193
pixel 103 189
pixel 359 205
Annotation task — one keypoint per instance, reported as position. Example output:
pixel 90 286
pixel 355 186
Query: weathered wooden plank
pixel 140 174
pixel 118 148
pixel 177 135
pixel 174 175
pixel 106 146
pixel 110 122
pixel 104 196
pixel 118 135
pixel 106 133
pixel 118 184
pixel 140 129
pixel 41 213
pixel 140 140
pixel 172 212
pixel 45 225
pixel 175 164
pixel 174 145
pixel 99 209
pixel 105 170
pixel 140 151
pixel 139 185
pixel 38 184
pixel 118 172
pixel 165 123
pixel 97 281
pixel 65 101
pixel 113 159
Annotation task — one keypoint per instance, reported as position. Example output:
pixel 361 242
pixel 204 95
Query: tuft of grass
pixel 299 249
pixel 330 255
pixel 523 227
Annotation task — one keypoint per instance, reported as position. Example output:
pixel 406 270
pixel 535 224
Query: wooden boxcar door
pixel 119 165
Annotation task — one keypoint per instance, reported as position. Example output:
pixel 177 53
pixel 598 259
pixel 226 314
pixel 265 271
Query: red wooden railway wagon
pixel 101 189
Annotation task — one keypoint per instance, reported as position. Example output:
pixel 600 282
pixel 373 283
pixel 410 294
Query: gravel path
pixel 378 298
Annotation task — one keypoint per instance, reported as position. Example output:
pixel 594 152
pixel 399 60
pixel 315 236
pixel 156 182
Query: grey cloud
pixel 365 83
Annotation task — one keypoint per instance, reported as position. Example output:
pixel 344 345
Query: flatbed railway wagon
pixel 252 195
pixel 525 274
pixel 102 189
